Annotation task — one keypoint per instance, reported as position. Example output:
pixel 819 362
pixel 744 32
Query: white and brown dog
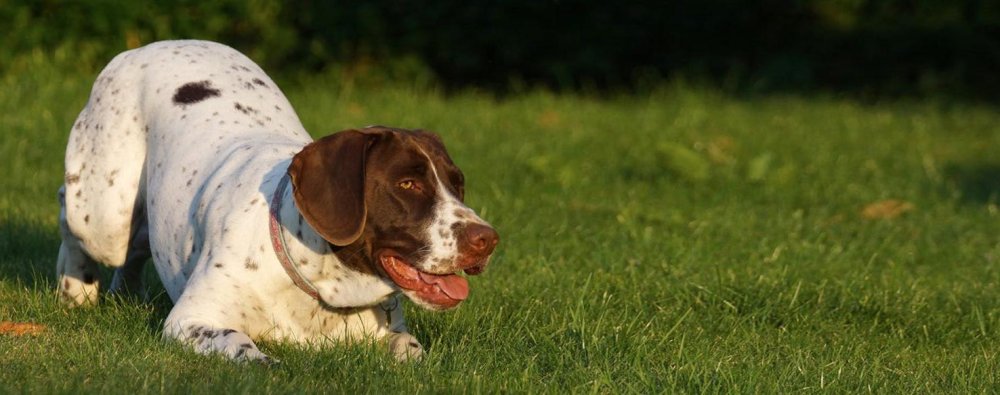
pixel 183 154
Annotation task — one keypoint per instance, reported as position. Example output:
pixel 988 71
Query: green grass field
pixel 683 240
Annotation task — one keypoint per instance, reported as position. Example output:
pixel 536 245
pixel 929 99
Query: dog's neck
pixel 341 283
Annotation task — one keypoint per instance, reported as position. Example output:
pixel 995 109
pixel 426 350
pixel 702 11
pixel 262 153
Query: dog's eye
pixel 408 184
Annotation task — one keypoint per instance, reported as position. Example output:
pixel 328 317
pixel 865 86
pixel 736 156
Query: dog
pixel 189 154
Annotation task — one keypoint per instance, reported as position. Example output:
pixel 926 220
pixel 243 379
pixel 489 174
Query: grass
pixel 678 241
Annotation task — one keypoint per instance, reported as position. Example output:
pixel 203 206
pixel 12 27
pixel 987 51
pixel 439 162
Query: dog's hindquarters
pixel 103 187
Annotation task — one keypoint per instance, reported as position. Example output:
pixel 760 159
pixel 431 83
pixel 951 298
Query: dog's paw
pixel 405 347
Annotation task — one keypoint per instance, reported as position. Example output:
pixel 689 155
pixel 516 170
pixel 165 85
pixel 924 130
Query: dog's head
pixel 390 201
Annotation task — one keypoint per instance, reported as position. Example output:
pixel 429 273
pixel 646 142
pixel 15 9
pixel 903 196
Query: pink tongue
pixel 454 286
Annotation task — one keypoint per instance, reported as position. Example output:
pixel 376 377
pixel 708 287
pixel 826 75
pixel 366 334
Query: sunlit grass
pixel 683 240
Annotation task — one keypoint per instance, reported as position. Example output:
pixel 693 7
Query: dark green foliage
pixel 867 47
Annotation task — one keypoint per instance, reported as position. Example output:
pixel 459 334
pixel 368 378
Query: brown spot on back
pixel 194 92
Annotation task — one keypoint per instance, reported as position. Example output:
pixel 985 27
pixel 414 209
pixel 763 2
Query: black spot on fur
pixel 250 264
pixel 259 82
pixel 86 218
pixel 194 92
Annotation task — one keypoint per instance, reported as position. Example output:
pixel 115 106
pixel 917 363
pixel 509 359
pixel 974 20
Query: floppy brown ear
pixel 328 182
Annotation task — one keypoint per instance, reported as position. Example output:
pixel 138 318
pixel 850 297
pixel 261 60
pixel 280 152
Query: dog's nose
pixel 480 239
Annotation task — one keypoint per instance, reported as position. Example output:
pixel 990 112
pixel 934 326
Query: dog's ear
pixel 328 182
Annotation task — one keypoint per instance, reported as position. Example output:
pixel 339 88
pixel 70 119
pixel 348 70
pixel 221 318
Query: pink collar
pixel 281 249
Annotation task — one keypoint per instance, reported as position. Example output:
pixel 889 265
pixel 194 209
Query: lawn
pixel 681 240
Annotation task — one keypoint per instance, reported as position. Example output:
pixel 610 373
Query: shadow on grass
pixel 979 183
pixel 28 251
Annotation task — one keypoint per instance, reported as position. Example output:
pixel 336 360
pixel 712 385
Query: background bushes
pixel 866 47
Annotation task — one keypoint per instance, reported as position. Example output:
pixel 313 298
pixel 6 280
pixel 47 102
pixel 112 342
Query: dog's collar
pixel 281 250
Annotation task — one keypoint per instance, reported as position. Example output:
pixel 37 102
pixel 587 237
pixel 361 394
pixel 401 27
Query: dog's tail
pixel 105 165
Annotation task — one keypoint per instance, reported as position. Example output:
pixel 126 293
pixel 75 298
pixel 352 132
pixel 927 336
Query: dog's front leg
pixel 402 345
pixel 209 339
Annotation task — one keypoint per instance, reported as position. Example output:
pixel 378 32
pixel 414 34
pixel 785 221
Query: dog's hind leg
pixel 105 165
pixel 76 272
pixel 104 182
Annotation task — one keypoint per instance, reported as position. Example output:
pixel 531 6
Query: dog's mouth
pixel 442 291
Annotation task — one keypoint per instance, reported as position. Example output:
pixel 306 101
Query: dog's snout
pixel 479 239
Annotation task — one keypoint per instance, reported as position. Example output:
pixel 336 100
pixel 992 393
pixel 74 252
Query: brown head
pixel 390 201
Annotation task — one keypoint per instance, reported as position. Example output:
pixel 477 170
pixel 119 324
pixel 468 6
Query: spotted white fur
pixel 195 137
